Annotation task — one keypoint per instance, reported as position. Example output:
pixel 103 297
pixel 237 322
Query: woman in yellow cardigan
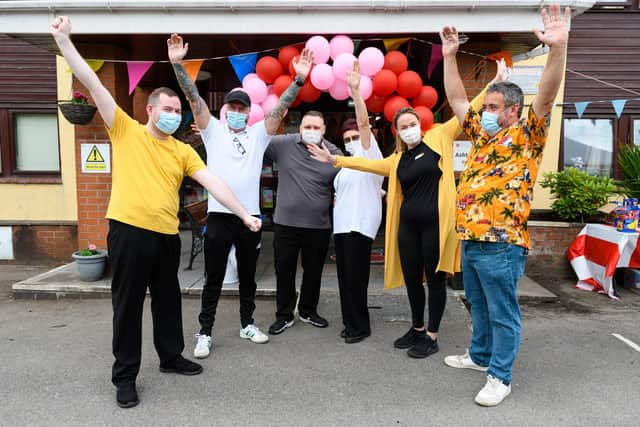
pixel 422 229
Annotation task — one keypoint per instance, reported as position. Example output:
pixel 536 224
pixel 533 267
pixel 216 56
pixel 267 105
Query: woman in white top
pixel 356 217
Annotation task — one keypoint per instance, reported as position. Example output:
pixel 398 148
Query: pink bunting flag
pixel 137 70
pixel 436 57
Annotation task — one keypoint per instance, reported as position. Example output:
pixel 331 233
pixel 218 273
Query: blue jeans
pixel 490 273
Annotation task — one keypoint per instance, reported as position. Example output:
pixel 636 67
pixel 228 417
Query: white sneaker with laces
pixel 251 332
pixel 463 361
pixel 493 392
pixel 203 346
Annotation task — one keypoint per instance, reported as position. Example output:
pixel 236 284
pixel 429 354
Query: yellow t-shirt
pixel 146 176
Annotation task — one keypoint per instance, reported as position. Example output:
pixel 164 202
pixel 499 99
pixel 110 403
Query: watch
pixel 299 81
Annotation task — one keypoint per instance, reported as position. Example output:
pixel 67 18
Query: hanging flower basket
pixel 77 111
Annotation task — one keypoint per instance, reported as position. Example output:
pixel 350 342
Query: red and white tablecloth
pixel 596 253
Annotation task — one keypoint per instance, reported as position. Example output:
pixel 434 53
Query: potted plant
pixel 91 262
pixel 77 111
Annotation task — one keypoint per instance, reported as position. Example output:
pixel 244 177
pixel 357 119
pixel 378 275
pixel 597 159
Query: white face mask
pixel 312 136
pixel 350 147
pixel 410 136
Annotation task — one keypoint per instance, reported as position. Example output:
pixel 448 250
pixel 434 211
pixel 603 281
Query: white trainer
pixel 203 346
pixel 251 332
pixel 493 392
pixel 463 361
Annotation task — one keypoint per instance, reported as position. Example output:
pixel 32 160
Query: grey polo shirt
pixel 304 185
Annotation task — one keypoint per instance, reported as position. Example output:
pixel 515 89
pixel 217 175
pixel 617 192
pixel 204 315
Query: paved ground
pixel 571 371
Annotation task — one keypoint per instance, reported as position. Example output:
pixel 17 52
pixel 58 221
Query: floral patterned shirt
pixel 496 186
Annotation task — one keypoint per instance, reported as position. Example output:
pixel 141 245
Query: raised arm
pixel 379 167
pixel 362 115
pixel 453 86
pixel 61 31
pixel 222 193
pixel 177 50
pixel 556 36
pixel 302 67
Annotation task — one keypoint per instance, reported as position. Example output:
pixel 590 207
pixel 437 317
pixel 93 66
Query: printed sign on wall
pixel 460 153
pixel 96 158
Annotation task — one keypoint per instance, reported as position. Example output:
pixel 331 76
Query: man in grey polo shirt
pixel 302 220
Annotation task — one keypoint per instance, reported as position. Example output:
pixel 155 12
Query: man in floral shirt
pixel 493 202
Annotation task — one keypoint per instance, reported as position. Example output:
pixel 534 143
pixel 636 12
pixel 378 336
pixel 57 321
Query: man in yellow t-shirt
pixel 493 202
pixel 143 240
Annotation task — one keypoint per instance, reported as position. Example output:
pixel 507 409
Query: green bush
pixel 577 194
pixel 629 161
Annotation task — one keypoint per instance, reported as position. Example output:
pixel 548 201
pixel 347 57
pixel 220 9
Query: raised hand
pixel 254 224
pixel 556 26
pixel 176 48
pixel 61 26
pixel 303 65
pixel 321 154
pixel 450 41
pixel 501 71
pixel 353 76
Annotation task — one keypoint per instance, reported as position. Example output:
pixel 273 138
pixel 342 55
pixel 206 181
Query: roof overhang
pixel 277 16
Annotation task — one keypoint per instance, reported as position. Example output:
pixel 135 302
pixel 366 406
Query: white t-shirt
pixel 358 199
pixel 237 159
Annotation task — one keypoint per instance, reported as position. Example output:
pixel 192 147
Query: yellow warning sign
pixel 95 156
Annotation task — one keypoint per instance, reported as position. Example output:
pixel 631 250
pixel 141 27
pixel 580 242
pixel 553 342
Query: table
pixel 596 253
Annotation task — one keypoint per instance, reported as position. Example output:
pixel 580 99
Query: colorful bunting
pixel 94 64
pixel 243 64
pixel 580 107
pixel 137 70
pixel 192 68
pixel 434 60
pixel 394 44
pixel 618 106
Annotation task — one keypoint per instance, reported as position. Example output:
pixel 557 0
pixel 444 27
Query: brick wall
pixel 44 243
pixel 549 244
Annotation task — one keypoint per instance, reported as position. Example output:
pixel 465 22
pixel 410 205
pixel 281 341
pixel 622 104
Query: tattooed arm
pixel 177 51
pixel 302 67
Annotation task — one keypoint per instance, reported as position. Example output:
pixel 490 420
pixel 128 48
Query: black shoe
pixel 426 347
pixel 181 366
pixel 280 325
pixel 352 339
pixel 127 396
pixel 314 319
pixel 343 333
pixel 409 339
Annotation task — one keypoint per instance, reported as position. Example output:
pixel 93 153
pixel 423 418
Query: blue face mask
pixel 236 120
pixel 168 122
pixel 489 123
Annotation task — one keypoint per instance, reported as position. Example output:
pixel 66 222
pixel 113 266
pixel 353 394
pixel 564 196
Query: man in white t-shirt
pixel 234 151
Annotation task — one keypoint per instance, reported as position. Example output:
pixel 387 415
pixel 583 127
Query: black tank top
pixel 419 176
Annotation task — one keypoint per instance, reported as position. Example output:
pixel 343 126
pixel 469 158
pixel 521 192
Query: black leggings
pixel 420 252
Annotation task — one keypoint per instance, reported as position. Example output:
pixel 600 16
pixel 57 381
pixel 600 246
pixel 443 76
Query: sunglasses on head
pixel 348 139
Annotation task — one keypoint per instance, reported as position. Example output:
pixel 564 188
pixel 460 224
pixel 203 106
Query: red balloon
pixel 375 103
pixel 396 62
pixel 392 106
pixel 268 69
pixel 426 117
pixel 281 84
pixel 427 97
pixel 285 54
pixel 409 84
pixel 384 83
pixel 296 102
pixel 308 93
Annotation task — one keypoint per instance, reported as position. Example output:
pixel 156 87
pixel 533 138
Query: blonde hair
pixel 401 146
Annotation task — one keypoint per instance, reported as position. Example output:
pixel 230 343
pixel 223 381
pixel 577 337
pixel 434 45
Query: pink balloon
pixel 256 89
pixel 340 90
pixel 319 46
pixel 322 76
pixel 256 114
pixel 249 77
pixel 269 103
pixel 371 61
pixel 366 87
pixel 223 114
pixel 342 65
pixel 270 90
pixel 340 44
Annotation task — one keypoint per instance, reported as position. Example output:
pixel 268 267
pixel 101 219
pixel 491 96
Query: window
pixel 588 145
pixel 29 143
pixel 636 132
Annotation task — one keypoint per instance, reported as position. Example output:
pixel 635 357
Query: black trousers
pixel 288 243
pixel 142 259
pixel 353 258
pixel 223 230
pixel 420 252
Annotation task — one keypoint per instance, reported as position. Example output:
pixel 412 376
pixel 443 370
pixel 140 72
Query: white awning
pixel 277 16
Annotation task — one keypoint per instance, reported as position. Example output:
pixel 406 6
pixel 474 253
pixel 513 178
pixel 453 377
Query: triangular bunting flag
pixel 503 54
pixel 192 68
pixel 394 44
pixel 94 64
pixel 580 107
pixel 436 57
pixel 243 64
pixel 618 105
pixel 137 70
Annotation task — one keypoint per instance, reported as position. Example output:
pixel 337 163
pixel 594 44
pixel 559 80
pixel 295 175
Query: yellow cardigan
pixel 440 140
